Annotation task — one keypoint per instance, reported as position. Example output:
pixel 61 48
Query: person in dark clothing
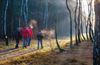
pixel 39 38
pixel 6 40
pixel 17 37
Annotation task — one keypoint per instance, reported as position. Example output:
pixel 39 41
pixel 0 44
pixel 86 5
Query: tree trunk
pixel 89 20
pixel 70 23
pixel 56 38
pixel 96 48
pixel 82 28
pixel 79 40
pixel 75 16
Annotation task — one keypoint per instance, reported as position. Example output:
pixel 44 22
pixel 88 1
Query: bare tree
pixel 89 20
pixel 81 22
pixel 75 16
pixel 5 22
pixel 82 31
pixel 79 19
pixel 70 16
pixel 60 49
pixel 89 30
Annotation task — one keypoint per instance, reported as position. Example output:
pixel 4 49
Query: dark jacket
pixel 17 35
pixel 39 36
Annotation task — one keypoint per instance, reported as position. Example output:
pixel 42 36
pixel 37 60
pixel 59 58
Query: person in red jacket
pixel 30 35
pixel 24 33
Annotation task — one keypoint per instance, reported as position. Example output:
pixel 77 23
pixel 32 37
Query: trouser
pixel 40 43
pixel 29 41
pixel 7 42
pixel 24 42
pixel 17 44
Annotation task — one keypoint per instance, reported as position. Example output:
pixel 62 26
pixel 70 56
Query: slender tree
pixel 70 16
pixel 81 23
pixel 78 23
pixel 89 20
pixel 60 49
pixel 82 33
pixel 46 14
pixel 5 21
pixel 75 16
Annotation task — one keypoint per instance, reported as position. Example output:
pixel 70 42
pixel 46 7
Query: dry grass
pixel 45 56
pixel 76 56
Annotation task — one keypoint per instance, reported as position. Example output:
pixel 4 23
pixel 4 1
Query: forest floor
pixel 78 55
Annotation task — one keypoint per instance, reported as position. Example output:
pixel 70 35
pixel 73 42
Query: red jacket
pixel 24 33
pixel 30 32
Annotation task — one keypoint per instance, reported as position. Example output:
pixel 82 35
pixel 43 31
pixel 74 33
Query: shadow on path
pixel 7 50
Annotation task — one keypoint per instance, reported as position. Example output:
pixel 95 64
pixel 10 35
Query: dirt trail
pixel 9 53
pixel 79 55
